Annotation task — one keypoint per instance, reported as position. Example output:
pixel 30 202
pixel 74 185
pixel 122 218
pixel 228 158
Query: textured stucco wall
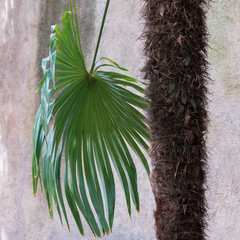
pixel 223 193
pixel 24 34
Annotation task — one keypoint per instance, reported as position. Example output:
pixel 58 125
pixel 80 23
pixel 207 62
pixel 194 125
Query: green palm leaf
pixel 93 122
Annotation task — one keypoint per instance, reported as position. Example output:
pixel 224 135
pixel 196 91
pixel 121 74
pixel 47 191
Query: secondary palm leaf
pixel 91 119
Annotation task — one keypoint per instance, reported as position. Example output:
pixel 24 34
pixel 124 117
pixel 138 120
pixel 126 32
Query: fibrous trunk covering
pixel 175 37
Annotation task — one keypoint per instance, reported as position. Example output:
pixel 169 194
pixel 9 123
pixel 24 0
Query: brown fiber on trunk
pixel 176 70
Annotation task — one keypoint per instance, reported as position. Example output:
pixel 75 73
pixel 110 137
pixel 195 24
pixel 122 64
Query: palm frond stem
pixel 100 36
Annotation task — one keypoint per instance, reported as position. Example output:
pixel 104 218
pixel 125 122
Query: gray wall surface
pixel 24 36
pixel 223 193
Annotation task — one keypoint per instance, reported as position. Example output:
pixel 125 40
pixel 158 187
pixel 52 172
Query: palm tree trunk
pixel 175 44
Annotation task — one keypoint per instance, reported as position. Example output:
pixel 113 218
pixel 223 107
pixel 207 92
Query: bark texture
pixel 176 69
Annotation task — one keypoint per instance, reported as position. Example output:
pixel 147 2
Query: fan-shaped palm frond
pixel 92 122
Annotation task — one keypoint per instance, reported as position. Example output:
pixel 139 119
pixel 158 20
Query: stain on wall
pixel 50 14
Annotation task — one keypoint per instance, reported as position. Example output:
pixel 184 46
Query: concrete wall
pixel 223 193
pixel 24 34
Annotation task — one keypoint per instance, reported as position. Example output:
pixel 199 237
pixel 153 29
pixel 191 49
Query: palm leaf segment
pixel 92 122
